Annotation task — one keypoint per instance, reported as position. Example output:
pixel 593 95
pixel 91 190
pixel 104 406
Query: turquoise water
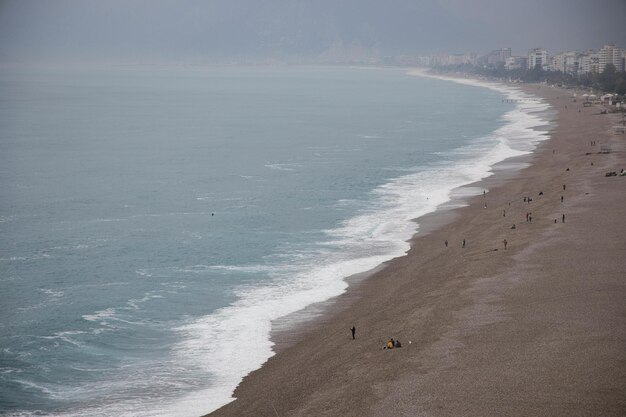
pixel 148 217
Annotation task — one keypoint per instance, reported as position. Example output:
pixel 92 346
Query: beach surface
pixel 538 329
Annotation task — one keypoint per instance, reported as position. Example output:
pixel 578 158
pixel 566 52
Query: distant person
pixel 561 199
pixel 390 344
pixel 505 243
pixel 563 218
pixel 513 227
pixel 446 243
pixel 397 344
pixel 563 187
pixel 463 243
pixel 353 330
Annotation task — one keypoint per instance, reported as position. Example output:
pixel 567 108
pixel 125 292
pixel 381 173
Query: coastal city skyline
pixel 568 62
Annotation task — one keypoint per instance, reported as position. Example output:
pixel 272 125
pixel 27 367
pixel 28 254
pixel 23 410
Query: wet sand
pixel 538 329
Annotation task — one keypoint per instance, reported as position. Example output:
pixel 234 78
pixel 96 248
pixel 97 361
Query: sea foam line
pixel 235 340
pixel 383 231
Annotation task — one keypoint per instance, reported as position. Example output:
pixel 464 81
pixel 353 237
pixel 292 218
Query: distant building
pixel 457 59
pixel 515 62
pixel 538 57
pixel 589 62
pixel 566 62
pixel 610 54
pixel 423 61
pixel 497 57
pixel 557 62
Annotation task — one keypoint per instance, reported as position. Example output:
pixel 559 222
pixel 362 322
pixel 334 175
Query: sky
pixel 197 31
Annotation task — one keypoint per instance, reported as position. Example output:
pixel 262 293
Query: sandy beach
pixel 538 329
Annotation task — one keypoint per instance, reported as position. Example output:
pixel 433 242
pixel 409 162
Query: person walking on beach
pixel 463 243
pixel 446 243
pixel 563 218
pixel 561 199
pixel 505 243
pixel 353 330
pixel 503 213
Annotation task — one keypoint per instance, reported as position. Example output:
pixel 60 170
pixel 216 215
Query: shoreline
pixel 284 334
pixel 363 300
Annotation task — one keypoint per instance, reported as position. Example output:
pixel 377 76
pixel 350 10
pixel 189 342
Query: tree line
pixel 608 81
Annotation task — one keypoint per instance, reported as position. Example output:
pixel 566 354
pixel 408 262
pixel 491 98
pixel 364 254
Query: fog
pixel 206 31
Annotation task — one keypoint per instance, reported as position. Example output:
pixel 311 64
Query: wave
pixel 282 167
pixel 377 234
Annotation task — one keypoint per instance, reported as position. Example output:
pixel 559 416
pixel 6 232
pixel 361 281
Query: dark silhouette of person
pixel 353 330
pixel 446 243
pixel 563 218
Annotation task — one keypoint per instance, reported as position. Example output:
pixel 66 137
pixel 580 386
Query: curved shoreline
pixel 284 331
pixel 448 303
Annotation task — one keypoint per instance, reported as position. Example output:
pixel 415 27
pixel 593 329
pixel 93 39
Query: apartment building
pixel 538 57
pixel 611 54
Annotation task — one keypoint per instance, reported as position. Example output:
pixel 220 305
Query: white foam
pixel 282 167
pixel 135 303
pixel 52 293
pixel 235 340
pixel 361 243
pixel 101 316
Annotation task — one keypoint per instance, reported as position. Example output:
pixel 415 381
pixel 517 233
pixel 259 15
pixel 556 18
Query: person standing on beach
pixel 561 199
pixel 505 243
pixel 563 218
pixel 353 330
pixel 446 243
pixel 463 243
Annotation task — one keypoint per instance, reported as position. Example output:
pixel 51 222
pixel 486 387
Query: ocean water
pixel 155 221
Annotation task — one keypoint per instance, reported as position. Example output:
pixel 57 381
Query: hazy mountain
pixel 210 30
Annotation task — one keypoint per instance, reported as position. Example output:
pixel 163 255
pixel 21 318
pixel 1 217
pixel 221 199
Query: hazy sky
pixel 58 31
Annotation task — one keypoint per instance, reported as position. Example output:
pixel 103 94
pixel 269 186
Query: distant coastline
pixel 481 319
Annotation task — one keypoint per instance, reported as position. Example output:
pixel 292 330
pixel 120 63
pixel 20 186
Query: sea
pixel 155 221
